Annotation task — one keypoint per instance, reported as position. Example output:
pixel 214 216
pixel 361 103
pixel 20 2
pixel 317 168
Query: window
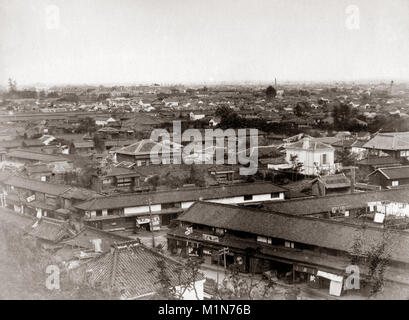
pixel 289 244
pixel 264 239
pixel 275 195
pixel 404 153
pixel 124 182
pixel 99 213
pixel 324 159
pixel 248 197
pixel 395 183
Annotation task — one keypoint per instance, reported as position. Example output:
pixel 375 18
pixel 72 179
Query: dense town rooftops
pixel 307 230
pixel 317 205
pixel 171 196
pixel 389 141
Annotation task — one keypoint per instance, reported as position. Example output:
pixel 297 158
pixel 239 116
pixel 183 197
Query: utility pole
pixel 151 224
pixel 352 175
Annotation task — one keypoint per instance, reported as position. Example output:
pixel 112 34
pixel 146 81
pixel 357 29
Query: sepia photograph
pixel 216 152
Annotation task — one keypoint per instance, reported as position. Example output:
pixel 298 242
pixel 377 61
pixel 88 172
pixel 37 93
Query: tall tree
pixel 271 92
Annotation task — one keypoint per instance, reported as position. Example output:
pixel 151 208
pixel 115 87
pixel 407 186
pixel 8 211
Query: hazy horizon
pixel 131 42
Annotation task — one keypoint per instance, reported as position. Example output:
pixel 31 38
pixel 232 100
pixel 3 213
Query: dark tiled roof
pixel 35 185
pixel 325 204
pixel 133 270
pixel 191 194
pixel 379 161
pixel 11 143
pixel 65 191
pixel 49 229
pixel 335 181
pixel 395 173
pixel 36 156
pixel 389 141
pixel 308 230
pixel 87 234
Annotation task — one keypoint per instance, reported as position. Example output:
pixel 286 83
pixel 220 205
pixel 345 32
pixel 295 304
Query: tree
pixel 296 166
pixel 373 257
pixel 345 156
pixel 12 85
pixel 299 110
pixel 99 144
pixel 196 177
pixel 271 92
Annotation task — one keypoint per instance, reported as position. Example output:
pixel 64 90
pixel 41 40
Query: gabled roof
pixel 334 181
pixel 308 230
pixel 393 173
pixel 50 229
pixel 389 141
pixel 181 195
pixel 141 147
pixel 84 238
pixel 132 270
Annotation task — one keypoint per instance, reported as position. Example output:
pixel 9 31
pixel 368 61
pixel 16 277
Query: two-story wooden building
pixel 299 249
pixel 132 211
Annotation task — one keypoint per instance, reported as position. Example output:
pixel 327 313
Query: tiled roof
pixel 50 229
pixel 132 270
pixel 87 234
pixel 65 191
pixel 37 156
pixel 389 141
pixel 143 147
pixel 308 230
pixel 379 161
pixel 313 145
pixel 335 181
pixel 35 185
pixel 394 173
pixel 325 204
pixel 191 194
pixel 11 143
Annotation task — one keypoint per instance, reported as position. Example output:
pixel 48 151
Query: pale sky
pixel 183 41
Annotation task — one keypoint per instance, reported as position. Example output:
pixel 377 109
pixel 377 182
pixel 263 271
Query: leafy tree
pixel 98 143
pixel 271 92
pixel 374 257
pixel 345 156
